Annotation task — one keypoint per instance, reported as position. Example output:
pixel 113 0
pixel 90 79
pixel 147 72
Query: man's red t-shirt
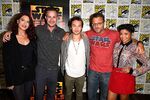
pixel 101 49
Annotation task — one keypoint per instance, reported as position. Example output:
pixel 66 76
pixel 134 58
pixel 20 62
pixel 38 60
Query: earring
pixel 17 21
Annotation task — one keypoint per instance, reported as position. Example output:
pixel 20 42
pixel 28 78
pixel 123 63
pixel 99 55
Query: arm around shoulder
pixel 7 36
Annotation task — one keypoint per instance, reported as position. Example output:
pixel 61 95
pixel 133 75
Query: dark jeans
pixel 44 78
pixel 23 91
pixel 70 82
pixel 97 80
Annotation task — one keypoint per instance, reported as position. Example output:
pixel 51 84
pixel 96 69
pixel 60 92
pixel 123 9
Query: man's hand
pixel 66 37
pixel 140 48
pixel 7 36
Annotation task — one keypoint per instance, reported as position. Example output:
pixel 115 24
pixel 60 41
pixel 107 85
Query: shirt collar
pixel 127 44
pixel 55 29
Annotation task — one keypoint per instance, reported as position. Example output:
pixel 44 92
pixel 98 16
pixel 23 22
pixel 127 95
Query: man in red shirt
pixel 102 43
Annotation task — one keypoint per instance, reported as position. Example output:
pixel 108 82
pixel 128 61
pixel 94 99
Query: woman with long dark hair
pixel 19 56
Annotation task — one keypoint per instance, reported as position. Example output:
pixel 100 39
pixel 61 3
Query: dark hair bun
pixel 128 27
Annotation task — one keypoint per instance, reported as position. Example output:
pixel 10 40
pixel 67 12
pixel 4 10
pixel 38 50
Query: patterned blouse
pixel 125 55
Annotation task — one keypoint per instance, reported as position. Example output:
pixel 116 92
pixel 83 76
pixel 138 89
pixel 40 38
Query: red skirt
pixel 121 83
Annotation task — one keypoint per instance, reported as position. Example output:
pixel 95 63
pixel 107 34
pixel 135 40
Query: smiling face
pixel 76 27
pixel 51 18
pixel 125 36
pixel 23 23
pixel 98 24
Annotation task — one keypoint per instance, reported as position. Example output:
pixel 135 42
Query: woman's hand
pixel 126 69
pixel 11 87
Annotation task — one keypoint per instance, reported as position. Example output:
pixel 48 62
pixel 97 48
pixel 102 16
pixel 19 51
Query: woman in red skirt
pixel 122 80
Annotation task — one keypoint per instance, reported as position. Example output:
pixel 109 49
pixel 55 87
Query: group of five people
pixel 33 53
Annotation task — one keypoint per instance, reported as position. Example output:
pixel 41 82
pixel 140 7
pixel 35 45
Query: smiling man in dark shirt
pixel 49 44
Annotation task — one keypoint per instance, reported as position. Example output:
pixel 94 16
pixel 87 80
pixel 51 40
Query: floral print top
pixel 125 55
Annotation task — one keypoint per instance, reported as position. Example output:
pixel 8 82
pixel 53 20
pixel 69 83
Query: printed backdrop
pixel 136 12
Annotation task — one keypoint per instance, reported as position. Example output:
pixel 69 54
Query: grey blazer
pixel 64 51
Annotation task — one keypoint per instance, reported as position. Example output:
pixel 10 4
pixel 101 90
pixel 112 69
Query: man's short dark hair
pixel 73 19
pixel 95 15
pixel 128 27
pixel 50 9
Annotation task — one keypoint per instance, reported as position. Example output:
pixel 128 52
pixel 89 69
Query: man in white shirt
pixel 74 58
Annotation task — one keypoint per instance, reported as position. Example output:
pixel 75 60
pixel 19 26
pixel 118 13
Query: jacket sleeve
pixel 34 60
pixel 62 57
pixel 144 64
pixel 7 54
pixel 88 56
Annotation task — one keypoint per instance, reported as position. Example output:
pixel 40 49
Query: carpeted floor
pixel 131 97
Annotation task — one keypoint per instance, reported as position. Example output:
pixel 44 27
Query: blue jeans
pixel 98 80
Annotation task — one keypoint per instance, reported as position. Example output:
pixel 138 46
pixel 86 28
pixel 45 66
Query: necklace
pixel 76 46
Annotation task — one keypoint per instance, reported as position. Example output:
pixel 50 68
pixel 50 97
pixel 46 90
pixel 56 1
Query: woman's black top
pixel 19 61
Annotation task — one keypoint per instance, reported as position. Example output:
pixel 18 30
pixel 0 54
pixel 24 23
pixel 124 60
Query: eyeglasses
pixel 97 24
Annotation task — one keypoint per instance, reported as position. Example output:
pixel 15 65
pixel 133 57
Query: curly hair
pixel 13 25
